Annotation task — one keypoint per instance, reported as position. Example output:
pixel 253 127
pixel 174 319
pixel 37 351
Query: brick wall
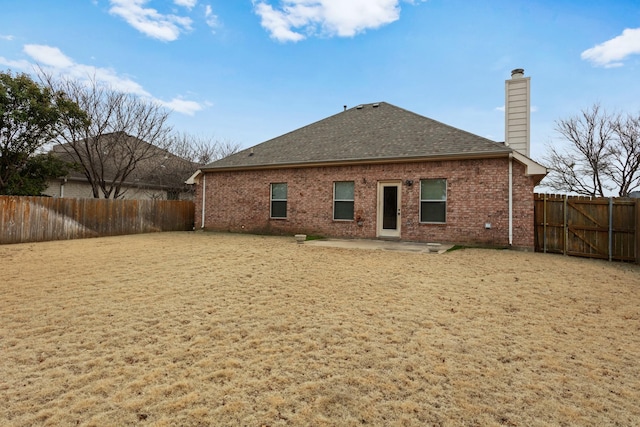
pixel 477 193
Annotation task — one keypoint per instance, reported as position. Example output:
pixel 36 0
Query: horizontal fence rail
pixel 605 228
pixel 37 219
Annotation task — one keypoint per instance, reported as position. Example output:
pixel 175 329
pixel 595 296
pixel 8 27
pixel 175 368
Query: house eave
pixel 532 168
pixel 355 162
pixel 193 179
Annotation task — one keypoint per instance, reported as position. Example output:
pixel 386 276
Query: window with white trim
pixel 279 200
pixel 343 200
pixel 433 200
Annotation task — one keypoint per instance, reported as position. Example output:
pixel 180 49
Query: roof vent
pixel 517 73
pixel 376 105
pixel 360 107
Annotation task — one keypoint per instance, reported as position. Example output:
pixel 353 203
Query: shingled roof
pixel 155 167
pixel 378 132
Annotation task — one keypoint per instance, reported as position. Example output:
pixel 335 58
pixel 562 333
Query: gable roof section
pixel 367 133
pixel 158 168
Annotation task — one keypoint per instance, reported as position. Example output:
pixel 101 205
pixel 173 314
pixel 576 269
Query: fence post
pixel 610 229
pixel 566 226
pixel 544 223
pixel 637 231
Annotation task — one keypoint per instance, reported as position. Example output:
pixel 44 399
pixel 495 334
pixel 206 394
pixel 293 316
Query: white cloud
pixel 294 20
pixel 277 23
pixel 183 106
pixel 610 53
pixel 18 65
pixel 6 37
pixel 149 21
pixel 48 56
pixel 189 4
pixel 55 63
pixel 210 18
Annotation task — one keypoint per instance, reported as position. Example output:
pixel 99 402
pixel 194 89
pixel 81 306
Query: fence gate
pixel 603 228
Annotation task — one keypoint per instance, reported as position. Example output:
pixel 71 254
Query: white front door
pixel 389 208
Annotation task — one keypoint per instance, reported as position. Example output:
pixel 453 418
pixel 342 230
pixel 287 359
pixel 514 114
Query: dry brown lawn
pixel 191 329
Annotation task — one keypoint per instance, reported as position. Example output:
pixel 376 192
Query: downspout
pixel 204 198
pixel 510 199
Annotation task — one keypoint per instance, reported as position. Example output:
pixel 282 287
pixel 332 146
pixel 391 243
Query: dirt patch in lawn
pixel 219 329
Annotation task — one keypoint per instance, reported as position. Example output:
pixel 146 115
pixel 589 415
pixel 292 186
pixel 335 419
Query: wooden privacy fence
pixel 37 219
pixel 605 228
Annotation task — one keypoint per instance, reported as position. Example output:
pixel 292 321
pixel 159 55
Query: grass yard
pixel 196 329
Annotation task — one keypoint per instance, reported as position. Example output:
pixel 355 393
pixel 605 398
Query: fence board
pixel 605 228
pixel 36 219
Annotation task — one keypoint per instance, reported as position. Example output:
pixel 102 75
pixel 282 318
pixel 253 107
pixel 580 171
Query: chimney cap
pixel 518 72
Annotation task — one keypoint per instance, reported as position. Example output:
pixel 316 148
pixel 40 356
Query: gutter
pixel 193 179
pixel 204 197
pixel 365 161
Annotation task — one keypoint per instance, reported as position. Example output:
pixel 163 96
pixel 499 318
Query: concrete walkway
pixel 384 245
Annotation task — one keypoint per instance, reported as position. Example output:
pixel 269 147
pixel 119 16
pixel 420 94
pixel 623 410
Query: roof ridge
pixel 373 131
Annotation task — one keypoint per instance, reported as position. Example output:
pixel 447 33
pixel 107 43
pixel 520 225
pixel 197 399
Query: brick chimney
pixel 517 106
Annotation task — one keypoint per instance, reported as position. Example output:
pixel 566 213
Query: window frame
pixel 439 201
pixel 352 200
pixel 272 200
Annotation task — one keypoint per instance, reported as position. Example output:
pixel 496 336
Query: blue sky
pixel 249 70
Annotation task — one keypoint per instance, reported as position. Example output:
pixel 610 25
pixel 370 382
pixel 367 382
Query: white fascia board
pixel 193 179
pixel 532 168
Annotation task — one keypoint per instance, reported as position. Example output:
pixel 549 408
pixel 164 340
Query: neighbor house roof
pixel 366 133
pixel 156 167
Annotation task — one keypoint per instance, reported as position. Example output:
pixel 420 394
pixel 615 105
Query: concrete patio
pixel 384 245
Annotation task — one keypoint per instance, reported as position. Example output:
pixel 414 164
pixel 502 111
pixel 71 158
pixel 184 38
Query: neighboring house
pixel 157 175
pixel 379 171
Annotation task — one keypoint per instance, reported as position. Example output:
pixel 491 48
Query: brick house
pixel 379 171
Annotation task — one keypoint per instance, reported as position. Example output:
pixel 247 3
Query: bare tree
pixel 625 166
pixel 201 150
pixel 122 132
pixel 184 155
pixel 603 154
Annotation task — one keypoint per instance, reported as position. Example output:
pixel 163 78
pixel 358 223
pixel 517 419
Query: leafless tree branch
pixel 603 154
pixel 123 131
